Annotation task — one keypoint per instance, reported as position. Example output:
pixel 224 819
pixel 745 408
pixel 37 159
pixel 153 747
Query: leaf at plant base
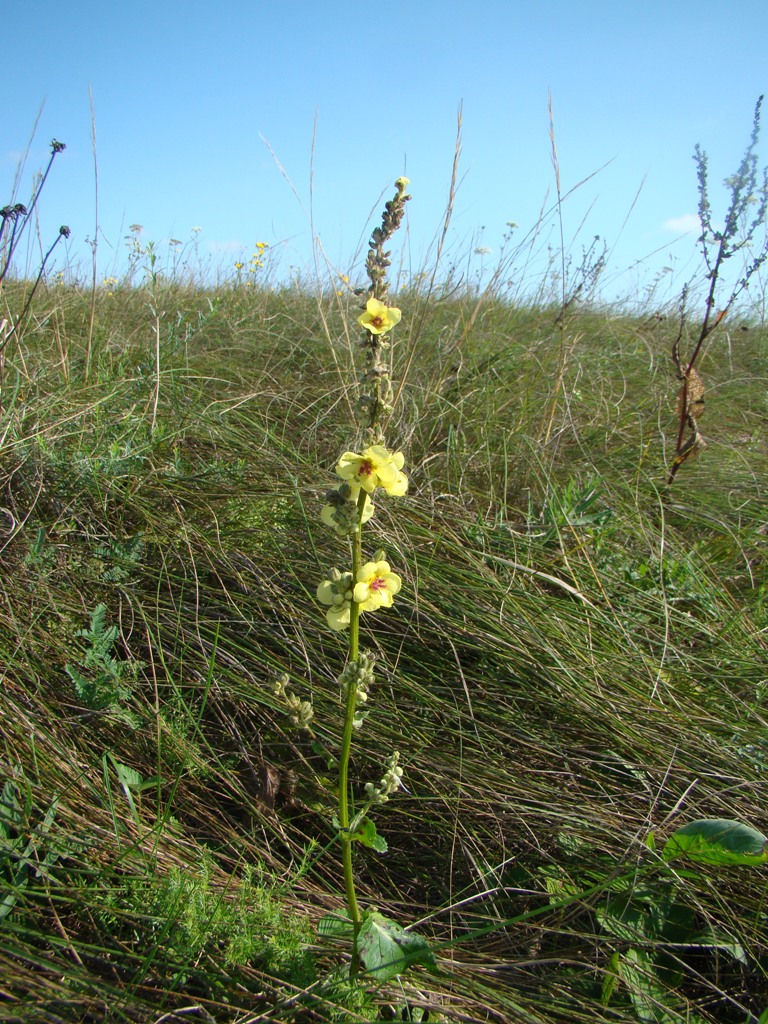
pixel 627 921
pixel 366 834
pixel 387 950
pixel 712 938
pixel 610 980
pixel 646 992
pixel 336 926
pixel 717 841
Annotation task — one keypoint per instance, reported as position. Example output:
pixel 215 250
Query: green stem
pixel 346 747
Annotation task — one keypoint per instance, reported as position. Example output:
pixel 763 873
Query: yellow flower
pixel 376 586
pixel 338 594
pixel 378 318
pixel 403 183
pixel 375 467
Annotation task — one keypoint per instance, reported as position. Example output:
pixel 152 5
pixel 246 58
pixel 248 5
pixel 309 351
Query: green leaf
pixel 11 816
pixel 717 841
pixel 9 901
pixel 366 834
pixel 129 777
pixel 626 921
pixel 647 994
pixel 712 938
pixel 336 926
pixel 610 980
pixel 360 717
pixel 387 950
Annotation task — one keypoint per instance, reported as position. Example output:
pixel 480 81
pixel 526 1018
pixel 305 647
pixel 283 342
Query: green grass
pixel 577 659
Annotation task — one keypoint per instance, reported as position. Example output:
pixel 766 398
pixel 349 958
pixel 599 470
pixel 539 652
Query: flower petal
pixel 338 618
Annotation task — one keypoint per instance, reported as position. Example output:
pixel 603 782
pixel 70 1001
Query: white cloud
pixel 684 225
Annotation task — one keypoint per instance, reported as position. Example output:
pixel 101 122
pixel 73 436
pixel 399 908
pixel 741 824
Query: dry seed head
pixel 692 392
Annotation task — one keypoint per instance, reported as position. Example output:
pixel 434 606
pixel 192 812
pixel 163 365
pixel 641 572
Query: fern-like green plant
pixel 102 681
pixel 121 558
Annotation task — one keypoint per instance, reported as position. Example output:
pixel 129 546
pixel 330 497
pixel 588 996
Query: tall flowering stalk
pixel 375 398
pixel 369 585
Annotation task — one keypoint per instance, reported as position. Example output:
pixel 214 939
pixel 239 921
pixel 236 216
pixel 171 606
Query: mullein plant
pixel 368 584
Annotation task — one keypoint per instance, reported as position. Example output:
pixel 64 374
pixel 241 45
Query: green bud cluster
pixel 300 712
pixel 343 514
pixel 375 384
pixel 391 780
pixel 359 674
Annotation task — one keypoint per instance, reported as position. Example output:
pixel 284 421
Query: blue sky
pixel 190 98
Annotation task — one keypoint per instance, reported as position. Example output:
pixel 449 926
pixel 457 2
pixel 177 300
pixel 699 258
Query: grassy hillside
pixel 576 662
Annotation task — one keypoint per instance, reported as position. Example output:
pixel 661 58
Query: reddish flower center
pixel 366 468
pixel 377 321
pixel 378 583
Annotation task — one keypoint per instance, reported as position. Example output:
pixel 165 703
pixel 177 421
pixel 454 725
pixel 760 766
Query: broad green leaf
pixel 679 921
pixel 7 903
pixel 387 950
pixel 336 926
pixel 625 921
pixel 648 995
pixel 717 841
pixel 366 834
pixel 610 980
pixel 712 938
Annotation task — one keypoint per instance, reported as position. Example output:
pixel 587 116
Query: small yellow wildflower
pixel 376 586
pixel 378 318
pixel 338 594
pixel 375 467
